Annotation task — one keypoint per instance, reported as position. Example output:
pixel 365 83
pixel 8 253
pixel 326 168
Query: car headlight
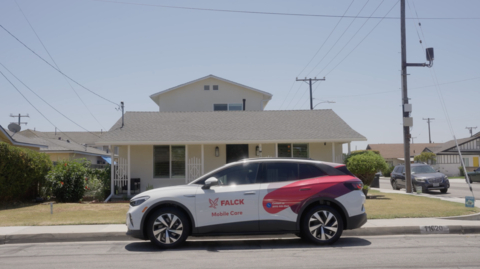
pixel 139 200
pixel 420 179
pixel 445 178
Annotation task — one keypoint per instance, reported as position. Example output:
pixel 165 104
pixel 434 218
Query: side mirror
pixel 403 173
pixel 212 181
pixel 438 171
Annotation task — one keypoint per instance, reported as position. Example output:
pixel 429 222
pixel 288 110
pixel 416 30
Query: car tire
pixel 168 227
pixel 443 190
pixel 395 185
pixel 322 225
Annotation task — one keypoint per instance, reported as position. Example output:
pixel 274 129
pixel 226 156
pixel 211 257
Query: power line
pixel 56 68
pixel 357 44
pixel 325 41
pixel 278 13
pixel 46 101
pixel 43 45
pixel 54 62
pixel 35 107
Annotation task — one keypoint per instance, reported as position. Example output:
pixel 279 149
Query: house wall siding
pixel 193 97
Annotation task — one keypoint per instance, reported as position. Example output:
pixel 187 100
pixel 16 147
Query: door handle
pixel 305 189
pixel 189 195
pixel 249 193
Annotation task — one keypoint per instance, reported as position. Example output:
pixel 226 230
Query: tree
pixel 425 157
pixel 365 165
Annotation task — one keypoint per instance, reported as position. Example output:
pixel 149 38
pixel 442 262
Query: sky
pixel 126 52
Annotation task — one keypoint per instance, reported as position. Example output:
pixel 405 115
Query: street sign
pixel 469 201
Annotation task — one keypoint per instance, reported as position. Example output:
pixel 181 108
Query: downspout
pixel 244 104
pixel 112 168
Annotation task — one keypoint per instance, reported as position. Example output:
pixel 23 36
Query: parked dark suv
pixel 422 175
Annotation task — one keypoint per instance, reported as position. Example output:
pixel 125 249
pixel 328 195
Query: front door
pixel 236 152
pixel 232 206
pixel 475 161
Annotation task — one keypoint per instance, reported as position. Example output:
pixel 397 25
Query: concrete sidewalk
pixel 116 232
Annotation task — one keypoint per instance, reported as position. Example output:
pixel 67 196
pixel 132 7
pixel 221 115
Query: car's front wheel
pixel 444 190
pixel 395 185
pixel 322 225
pixel 168 227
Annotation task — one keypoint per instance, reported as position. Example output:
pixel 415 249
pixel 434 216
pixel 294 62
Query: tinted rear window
pixel 278 171
pixel 310 171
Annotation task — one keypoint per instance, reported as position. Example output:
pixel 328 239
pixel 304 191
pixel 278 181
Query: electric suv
pixel 315 200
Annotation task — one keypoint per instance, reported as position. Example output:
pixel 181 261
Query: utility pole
pixel 470 129
pixel 309 80
pixel 20 116
pixel 406 107
pixel 429 137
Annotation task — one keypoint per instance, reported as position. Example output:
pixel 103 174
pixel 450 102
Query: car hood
pixel 428 175
pixel 169 191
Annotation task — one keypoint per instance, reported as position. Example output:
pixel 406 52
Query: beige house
pixel 173 147
pixel 394 153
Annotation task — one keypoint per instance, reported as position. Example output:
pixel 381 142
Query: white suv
pixel 313 199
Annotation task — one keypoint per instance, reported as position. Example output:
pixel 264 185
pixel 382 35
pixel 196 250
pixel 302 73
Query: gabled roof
pixel 396 150
pixel 88 138
pixel 19 140
pixel 451 144
pixel 207 77
pixel 223 127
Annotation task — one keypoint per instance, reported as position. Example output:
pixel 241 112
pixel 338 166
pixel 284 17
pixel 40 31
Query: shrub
pixel 68 179
pixel 22 172
pixel 425 157
pixel 358 152
pixel 462 173
pixel 365 165
pixel 387 172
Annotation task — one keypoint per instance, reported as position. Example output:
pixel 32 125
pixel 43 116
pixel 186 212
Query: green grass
pixel 393 206
pixel 388 207
pixel 63 214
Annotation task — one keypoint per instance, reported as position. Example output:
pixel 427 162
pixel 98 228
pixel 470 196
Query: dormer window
pixel 215 87
pixel 206 87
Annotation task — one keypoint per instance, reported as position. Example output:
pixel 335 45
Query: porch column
pixel 349 151
pixel 129 172
pixel 112 169
pixel 276 150
pixel 260 148
pixel 202 161
pixel 333 152
pixel 186 163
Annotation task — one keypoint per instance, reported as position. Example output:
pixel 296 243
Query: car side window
pixel 400 170
pixel 239 174
pixel 309 171
pixel 278 172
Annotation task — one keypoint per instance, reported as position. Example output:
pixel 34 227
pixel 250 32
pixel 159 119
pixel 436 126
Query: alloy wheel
pixel 323 225
pixel 167 228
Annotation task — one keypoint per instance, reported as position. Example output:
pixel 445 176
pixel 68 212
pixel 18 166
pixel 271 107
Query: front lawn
pixel 393 206
pixel 63 214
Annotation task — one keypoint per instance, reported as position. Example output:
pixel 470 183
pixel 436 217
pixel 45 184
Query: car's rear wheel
pixel 168 227
pixel 395 185
pixel 322 225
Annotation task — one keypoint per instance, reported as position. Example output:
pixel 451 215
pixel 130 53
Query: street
pixel 434 251
pixel 458 188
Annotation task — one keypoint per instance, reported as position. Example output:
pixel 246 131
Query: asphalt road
pixel 458 188
pixel 433 251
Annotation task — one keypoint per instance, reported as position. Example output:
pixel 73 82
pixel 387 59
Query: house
pixel 201 128
pixel 83 138
pixel 448 159
pixel 394 153
pixel 21 141
pixel 64 149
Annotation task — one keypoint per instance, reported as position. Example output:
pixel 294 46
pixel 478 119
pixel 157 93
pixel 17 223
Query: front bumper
pixel 136 234
pixel 356 221
pixel 430 186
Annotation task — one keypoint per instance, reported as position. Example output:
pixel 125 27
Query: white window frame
pixel 291 148
pixel 169 162
pixel 228 106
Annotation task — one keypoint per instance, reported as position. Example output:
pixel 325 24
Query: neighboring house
pixel 21 141
pixel 83 138
pixel 63 149
pixel 394 153
pixel 448 159
pixel 211 93
pixel 177 145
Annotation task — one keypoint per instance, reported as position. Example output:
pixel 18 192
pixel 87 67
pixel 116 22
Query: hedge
pixel 22 172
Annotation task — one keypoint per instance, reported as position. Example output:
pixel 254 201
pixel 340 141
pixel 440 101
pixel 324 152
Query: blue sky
pixel 127 52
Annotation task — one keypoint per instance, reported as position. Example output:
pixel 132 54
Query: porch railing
pixel 194 169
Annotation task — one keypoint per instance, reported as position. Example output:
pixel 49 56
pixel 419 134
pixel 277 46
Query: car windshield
pixel 423 169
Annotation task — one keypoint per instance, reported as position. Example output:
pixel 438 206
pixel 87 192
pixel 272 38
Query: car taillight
pixel 354 186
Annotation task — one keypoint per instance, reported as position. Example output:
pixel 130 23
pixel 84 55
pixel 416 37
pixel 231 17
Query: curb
pixel 475 216
pixel 120 236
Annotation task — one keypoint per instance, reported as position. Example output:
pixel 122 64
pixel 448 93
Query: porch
pixel 137 168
